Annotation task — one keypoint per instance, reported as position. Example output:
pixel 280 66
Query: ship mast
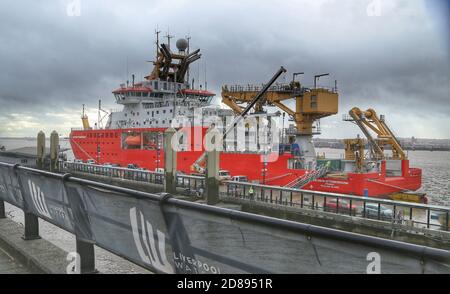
pixel 157 42
pixel 170 66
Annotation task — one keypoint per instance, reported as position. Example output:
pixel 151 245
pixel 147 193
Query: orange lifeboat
pixel 133 141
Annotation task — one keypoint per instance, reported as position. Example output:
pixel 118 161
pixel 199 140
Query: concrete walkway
pixel 33 256
pixel 10 265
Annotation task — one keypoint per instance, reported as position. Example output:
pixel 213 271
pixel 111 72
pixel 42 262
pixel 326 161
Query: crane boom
pixel 369 120
pixel 197 164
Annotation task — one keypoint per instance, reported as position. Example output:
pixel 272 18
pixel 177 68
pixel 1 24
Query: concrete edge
pixel 39 256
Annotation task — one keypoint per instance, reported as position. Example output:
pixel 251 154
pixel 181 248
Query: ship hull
pixel 106 146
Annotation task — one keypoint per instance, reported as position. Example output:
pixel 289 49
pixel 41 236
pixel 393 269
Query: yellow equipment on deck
pixel 85 121
pixel 310 104
pixel 354 150
pixel 408 197
pixel 368 120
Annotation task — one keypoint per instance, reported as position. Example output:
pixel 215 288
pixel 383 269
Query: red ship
pixel 134 135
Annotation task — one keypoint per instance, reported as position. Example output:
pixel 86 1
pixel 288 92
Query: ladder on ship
pixel 309 177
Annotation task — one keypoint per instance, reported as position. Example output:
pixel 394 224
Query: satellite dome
pixel 182 44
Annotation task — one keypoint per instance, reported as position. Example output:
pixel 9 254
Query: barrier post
pixel 87 257
pixel 40 150
pixel 170 162
pixel 212 169
pixel 31 224
pixel 54 151
pixel 2 209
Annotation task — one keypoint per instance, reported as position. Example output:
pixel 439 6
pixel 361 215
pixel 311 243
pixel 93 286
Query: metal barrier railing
pixel 183 180
pixel 31 223
pixel 405 213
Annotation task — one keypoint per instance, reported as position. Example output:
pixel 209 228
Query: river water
pixel 435 168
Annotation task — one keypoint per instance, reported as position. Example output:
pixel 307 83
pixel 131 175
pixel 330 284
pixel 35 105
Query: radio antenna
pixel 188 38
pixel 157 32
pixel 168 36
pixel 206 83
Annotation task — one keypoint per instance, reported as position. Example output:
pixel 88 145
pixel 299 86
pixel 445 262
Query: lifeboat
pixel 133 141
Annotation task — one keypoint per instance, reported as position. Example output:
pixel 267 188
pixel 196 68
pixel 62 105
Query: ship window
pixel 157 112
pixel 139 94
pixel 164 111
pixel 165 86
pixel 137 113
pixel 171 111
pixel 148 112
pixel 156 85
pixel 153 113
pixel 145 94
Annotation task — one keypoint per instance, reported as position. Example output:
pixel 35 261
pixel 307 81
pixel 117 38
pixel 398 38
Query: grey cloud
pixel 395 61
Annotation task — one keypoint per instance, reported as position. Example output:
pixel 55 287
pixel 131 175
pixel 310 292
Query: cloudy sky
pixel 392 55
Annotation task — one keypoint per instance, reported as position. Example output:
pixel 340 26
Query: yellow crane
pixel 310 104
pixel 369 120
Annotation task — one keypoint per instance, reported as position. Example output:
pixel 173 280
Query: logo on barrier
pixel 145 242
pixel 38 199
